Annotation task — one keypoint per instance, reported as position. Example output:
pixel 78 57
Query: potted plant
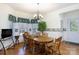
pixel 42 26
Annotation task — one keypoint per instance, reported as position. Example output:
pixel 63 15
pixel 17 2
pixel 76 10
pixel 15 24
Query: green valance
pixel 22 20
pixel 12 18
pixel 34 21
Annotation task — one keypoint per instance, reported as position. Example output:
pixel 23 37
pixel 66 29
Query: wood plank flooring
pixel 65 49
pixel 69 49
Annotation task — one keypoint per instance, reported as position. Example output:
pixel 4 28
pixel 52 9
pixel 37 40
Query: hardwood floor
pixel 69 49
pixel 18 50
pixel 65 49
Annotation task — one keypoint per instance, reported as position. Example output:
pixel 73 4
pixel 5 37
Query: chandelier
pixel 38 16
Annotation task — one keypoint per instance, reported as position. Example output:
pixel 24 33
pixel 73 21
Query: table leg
pixel 17 41
pixel 42 48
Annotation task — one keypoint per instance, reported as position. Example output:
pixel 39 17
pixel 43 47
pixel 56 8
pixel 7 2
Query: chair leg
pixel 3 47
pixel 59 52
pixel 52 51
pixel 24 46
pixel 13 43
pixel 4 52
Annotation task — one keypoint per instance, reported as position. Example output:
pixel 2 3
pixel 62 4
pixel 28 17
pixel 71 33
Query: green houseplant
pixel 42 26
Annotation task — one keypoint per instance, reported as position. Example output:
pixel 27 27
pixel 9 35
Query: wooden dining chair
pixel 31 45
pixel 34 47
pixel 57 45
pixel 48 46
pixel 55 48
pixel 37 34
pixel 25 37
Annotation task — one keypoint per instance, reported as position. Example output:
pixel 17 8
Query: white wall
pixel 22 14
pixel 54 18
pixel 4 11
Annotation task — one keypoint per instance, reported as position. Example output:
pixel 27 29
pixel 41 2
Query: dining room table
pixel 43 41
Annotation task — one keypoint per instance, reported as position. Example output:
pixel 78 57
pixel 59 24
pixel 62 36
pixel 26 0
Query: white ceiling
pixel 43 7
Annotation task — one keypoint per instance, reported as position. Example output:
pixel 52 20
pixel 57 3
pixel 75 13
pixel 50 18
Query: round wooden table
pixel 43 41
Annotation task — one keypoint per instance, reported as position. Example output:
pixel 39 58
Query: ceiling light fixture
pixel 38 16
